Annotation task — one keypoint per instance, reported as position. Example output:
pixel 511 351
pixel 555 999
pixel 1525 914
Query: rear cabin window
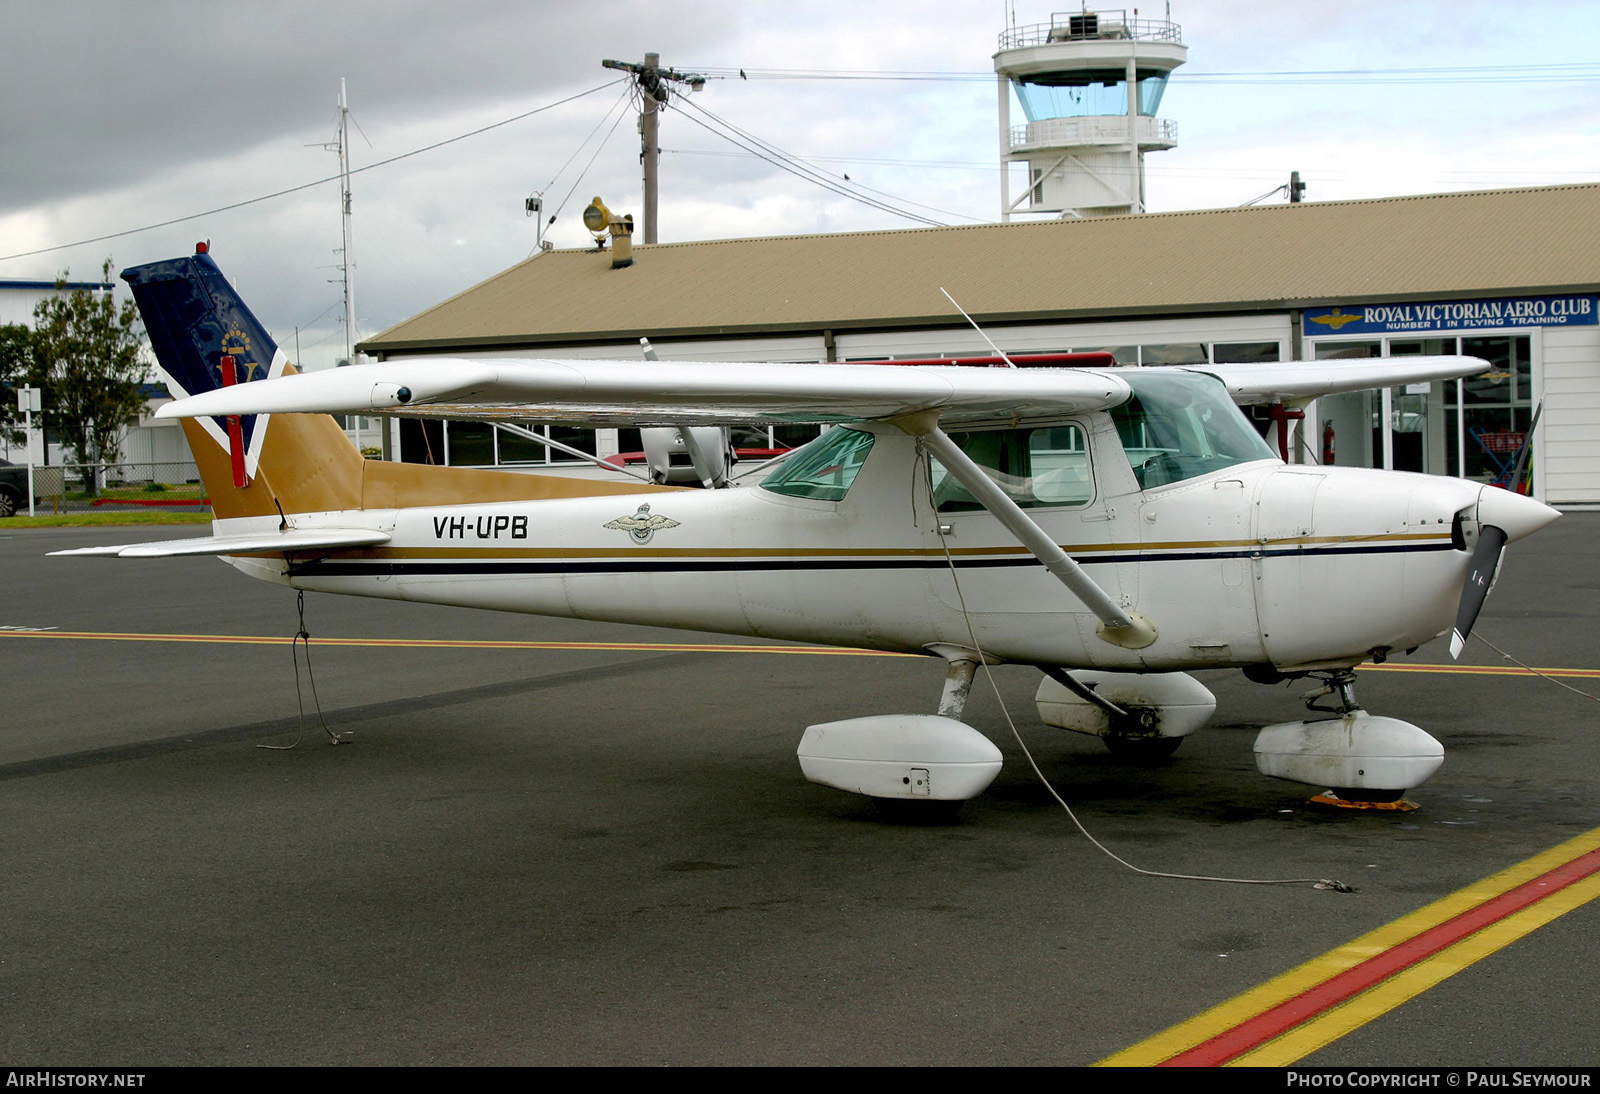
pixel 823 469
pixel 1035 467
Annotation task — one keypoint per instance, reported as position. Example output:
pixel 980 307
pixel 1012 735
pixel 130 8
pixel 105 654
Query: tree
pixel 86 359
pixel 16 366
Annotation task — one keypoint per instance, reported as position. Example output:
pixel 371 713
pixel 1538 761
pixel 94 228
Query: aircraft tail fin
pixel 205 337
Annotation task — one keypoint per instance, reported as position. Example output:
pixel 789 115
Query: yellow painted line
pixel 448 643
pixel 1225 1016
pixel 1322 1031
pixel 1480 670
pixel 653 647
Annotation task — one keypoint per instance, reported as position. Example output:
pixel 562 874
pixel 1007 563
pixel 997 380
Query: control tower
pixel 1090 83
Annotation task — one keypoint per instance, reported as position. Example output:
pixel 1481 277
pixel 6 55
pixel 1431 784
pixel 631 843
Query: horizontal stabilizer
pixel 309 539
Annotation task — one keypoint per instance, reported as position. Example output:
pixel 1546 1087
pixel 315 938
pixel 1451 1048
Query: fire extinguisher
pixel 1327 442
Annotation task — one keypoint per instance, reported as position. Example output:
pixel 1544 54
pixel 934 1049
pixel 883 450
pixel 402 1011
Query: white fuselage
pixel 1258 563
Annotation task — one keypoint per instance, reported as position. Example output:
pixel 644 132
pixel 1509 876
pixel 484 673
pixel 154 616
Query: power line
pixel 597 150
pixel 309 185
pixel 966 165
pixel 580 146
pixel 787 162
pixel 1573 72
pixel 876 162
pixel 809 160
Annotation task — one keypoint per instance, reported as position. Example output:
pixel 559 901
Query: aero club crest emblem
pixel 641 525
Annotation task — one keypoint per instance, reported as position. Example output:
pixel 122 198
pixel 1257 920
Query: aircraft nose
pixel 1516 514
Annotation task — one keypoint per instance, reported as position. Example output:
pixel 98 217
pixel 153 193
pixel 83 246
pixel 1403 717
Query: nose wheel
pixel 1141 750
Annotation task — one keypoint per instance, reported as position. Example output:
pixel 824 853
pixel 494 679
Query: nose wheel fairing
pixel 1363 757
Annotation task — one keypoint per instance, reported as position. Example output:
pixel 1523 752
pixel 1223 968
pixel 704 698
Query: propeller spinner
pixel 1502 517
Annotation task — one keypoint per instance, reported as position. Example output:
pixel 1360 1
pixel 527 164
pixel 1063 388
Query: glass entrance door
pixel 1471 428
pixel 1347 428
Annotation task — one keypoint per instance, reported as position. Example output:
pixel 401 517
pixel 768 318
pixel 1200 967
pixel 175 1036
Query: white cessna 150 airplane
pixel 1111 526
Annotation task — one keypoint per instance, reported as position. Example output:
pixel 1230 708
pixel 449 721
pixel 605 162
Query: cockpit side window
pixel 1181 425
pixel 1036 467
pixel 823 469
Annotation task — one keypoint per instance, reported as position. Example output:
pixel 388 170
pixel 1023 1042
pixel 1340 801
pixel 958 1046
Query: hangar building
pixel 1511 276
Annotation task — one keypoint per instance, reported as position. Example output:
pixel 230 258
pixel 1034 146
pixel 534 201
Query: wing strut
pixel 1118 627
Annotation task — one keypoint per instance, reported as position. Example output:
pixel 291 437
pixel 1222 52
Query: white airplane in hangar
pixel 1113 527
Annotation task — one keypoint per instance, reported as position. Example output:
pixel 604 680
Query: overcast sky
pixel 115 115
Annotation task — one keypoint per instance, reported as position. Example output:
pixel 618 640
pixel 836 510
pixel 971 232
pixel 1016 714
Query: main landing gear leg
pixel 958 676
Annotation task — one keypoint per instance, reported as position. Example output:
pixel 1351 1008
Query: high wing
pixel 670 393
pixel 1301 381
pixel 694 392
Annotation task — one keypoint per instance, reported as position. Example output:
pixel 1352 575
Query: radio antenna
pixel 1000 353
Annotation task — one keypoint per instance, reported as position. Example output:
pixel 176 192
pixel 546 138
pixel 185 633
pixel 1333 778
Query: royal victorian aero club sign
pixel 1454 315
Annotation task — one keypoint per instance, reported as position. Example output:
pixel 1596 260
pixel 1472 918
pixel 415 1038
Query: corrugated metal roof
pixel 1486 243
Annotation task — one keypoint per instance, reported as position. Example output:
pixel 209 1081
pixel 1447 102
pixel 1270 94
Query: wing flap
pixel 309 539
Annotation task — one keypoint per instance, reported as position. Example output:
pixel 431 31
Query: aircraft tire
pixel 1142 750
pixel 918 811
pixel 1350 794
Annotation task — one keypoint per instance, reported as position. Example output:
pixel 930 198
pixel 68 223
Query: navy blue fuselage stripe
pixel 337 567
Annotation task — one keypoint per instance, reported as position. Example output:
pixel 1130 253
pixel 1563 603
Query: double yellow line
pixel 1308 1008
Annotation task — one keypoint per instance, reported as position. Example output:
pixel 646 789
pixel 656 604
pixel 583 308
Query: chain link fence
pixel 109 487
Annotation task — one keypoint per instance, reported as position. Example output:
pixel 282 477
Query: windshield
pixel 823 469
pixel 1180 425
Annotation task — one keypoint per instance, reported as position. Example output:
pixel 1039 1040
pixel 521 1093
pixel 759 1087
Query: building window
pixel 1244 353
pixel 1178 353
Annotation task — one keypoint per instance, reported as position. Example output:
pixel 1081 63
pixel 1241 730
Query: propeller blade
pixel 1524 451
pixel 1485 561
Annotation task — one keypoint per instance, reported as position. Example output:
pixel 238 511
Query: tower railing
pixel 1091 26
pixel 1095 129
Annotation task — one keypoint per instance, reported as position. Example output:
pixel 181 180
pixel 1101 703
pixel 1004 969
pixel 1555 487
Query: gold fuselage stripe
pixel 620 552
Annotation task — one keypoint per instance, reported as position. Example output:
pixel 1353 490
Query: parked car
pixel 13 488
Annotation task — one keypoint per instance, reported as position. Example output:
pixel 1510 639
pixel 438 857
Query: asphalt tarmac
pixel 609 856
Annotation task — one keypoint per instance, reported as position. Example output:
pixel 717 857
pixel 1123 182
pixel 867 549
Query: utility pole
pixel 652 80
pixel 1297 188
